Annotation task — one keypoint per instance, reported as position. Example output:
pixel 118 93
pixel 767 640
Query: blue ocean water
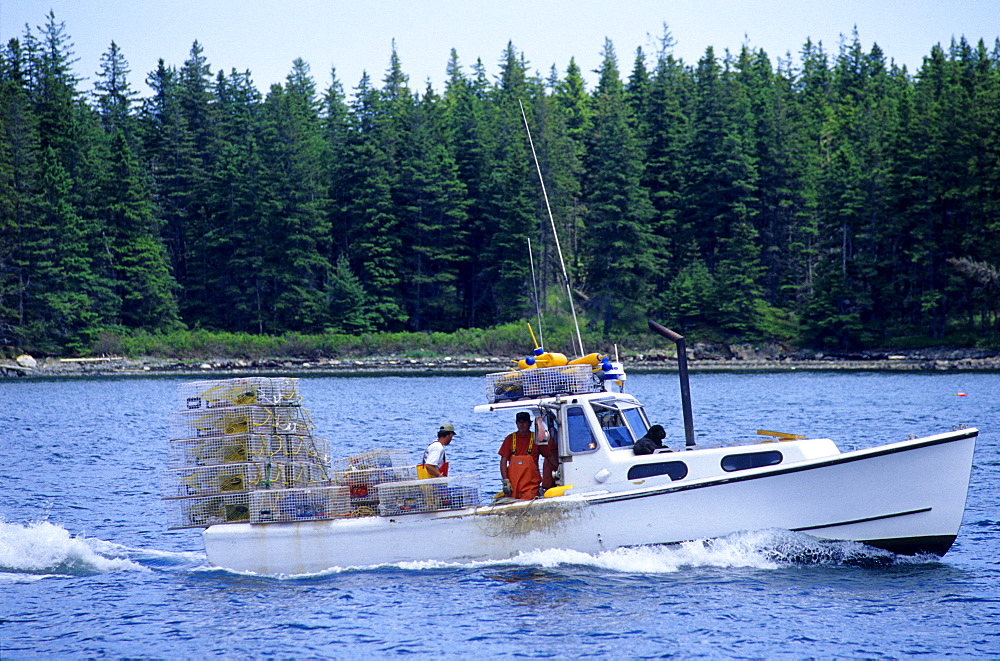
pixel 88 569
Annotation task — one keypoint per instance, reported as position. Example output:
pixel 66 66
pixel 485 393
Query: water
pixel 87 568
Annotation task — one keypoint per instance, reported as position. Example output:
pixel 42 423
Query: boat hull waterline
pixel 907 497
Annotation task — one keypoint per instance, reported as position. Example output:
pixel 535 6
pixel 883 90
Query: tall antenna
pixel 562 263
pixel 534 288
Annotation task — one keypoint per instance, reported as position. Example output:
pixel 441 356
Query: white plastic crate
pixel 431 495
pixel 240 391
pixel 540 382
pixel 299 504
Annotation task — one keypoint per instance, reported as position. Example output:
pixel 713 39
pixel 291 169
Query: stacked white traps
pixel 242 450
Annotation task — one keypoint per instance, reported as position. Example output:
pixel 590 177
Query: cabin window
pixel 581 439
pixel 613 425
pixel 677 470
pixel 742 462
pixel 636 422
pixel 621 424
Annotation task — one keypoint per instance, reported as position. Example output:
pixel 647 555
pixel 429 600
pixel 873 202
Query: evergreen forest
pixel 827 200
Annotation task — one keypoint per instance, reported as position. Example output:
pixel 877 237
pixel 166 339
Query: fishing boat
pixel 271 502
pixel 248 470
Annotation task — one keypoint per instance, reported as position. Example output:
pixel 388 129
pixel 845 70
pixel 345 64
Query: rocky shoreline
pixel 701 357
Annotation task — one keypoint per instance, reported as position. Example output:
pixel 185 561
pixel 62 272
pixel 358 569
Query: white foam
pixel 655 560
pixel 758 549
pixel 48 549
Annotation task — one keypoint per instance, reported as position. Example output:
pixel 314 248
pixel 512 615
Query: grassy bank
pixel 507 340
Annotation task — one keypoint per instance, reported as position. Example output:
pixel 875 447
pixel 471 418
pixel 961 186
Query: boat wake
pixel 760 549
pixel 34 551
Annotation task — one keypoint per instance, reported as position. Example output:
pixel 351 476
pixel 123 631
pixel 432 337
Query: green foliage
pixel 837 201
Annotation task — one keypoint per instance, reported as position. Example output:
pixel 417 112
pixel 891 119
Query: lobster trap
pixel 370 459
pixel 247 448
pixel 236 438
pixel 241 419
pixel 362 482
pixel 231 478
pixel 430 495
pixel 299 504
pixel 211 510
pixel 541 382
pixel 243 391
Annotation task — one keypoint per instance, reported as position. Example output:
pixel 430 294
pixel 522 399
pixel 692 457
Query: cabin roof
pixel 557 400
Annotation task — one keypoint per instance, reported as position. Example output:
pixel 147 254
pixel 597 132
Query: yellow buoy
pixel 592 359
pixel 557 491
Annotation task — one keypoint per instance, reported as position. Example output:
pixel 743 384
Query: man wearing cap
pixel 435 463
pixel 519 458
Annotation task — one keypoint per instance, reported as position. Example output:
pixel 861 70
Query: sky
pixel 266 36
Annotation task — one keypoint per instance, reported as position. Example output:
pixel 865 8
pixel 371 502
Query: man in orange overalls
pixel 519 454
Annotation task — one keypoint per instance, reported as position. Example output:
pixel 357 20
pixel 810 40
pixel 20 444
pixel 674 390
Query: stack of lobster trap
pixel 242 451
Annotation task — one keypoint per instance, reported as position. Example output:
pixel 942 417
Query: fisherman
pixel 550 461
pixel 519 454
pixel 435 463
pixel 651 442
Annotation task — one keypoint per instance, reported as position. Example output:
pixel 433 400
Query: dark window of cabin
pixel 742 462
pixel 613 425
pixel 581 439
pixel 677 470
pixel 636 422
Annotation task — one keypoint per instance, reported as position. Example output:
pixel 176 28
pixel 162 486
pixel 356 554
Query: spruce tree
pixel 621 249
pixel 139 268
pixel 293 206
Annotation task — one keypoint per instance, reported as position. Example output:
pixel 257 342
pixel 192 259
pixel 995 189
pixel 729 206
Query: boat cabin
pixel 595 433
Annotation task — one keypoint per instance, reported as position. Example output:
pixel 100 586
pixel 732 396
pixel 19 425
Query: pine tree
pixel 506 199
pixel 114 96
pixel 293 207
pixel 376 247
pixel 236 290
pixel 57 305
pixel 349 309
pixel 470 143
pixel 621 248
pixel 139 266
pixel 667 141
pixel 19 189
pixel 436 214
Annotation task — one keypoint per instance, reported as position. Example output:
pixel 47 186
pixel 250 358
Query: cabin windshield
pixel 621 424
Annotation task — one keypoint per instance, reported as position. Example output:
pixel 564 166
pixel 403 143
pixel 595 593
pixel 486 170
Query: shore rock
pixel 701 357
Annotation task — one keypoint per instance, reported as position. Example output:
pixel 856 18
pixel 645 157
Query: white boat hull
pixel 906 497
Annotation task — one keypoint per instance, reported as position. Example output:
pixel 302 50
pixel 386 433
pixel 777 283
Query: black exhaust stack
pixel 682 372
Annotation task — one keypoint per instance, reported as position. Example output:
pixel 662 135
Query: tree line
pixel 832 201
